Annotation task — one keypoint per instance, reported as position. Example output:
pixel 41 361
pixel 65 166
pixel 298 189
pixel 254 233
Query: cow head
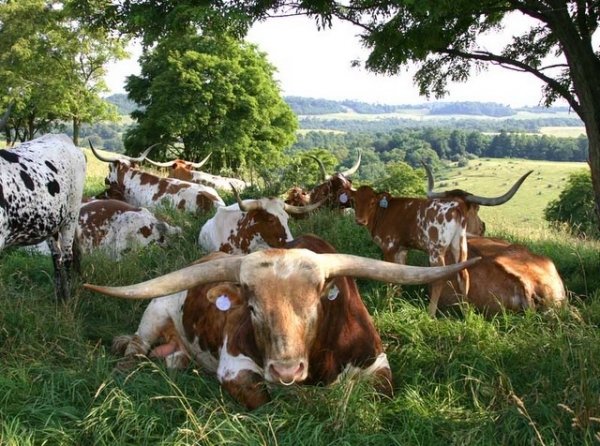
pixel 296 196
pixel 366 202
pixel 475 226
pixel 118 167
pixel 271 219
pixel 284 290
pixel 336 188
pixel 180 169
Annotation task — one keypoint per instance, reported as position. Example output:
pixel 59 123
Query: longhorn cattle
pixel 279 315
pixel 475 226
pixel 184 170
pixel 508 277
pixel 250 225
pixel 144 189
pixel 398 224
pixel 115 227
pixel 41 185
pixel 334 190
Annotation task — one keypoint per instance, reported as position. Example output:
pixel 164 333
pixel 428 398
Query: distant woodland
pixel 488 130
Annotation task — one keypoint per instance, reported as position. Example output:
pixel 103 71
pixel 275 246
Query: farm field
pixel 524 213
pixel 459 379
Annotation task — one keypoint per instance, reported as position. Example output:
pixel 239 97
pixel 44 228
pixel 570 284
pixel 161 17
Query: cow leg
pixel 437 286
pixel 62 283
pixel 396 256
pixel 460 254
pixel 156 324
pixel 248 388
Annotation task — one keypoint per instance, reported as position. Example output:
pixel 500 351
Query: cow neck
pixel 374 221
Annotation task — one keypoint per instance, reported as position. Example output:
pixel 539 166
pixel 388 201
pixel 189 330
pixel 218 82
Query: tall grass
pixel 528 378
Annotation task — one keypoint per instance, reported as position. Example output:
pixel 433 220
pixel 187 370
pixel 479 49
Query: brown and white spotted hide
pixel 283 323
pixel 116 227
pixel 41 185
pixel 237 232
pixel 144 189
pixel 398 224
pixel 509 277
pixel 183 170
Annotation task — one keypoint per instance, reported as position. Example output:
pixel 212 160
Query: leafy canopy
pixel 210 94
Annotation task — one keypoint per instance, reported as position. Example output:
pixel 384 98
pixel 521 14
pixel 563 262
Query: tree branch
pixel 506 62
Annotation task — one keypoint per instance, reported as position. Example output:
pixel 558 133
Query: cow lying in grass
pixel 508 277
pixel 281 316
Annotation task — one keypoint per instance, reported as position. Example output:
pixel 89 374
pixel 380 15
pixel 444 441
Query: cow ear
pixel 330 291
pixel 225 296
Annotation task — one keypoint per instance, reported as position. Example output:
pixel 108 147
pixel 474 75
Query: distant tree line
pixel 411 145
pixel 532 125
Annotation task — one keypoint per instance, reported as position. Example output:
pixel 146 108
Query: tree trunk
pixel 76 127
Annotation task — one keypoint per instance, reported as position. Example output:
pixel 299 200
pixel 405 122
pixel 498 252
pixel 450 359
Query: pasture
pixel 530 378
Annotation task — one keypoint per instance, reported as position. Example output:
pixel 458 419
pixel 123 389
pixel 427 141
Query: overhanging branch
pixel 506 62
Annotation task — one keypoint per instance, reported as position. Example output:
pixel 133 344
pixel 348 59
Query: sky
pixel 317 64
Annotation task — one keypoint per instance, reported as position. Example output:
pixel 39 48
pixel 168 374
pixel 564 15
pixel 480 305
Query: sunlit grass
pixel 460 379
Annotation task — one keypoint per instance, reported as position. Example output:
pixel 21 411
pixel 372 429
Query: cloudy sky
pixel 317 64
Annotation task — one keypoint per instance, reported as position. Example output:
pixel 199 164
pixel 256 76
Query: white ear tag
pixel 333 293
pixel 343 198
pixel 383 203
pixel 223 303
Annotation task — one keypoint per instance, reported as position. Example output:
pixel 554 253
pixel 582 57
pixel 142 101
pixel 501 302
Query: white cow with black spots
pixel 41 185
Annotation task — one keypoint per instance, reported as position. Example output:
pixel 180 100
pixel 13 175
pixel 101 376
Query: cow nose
pixel 287 373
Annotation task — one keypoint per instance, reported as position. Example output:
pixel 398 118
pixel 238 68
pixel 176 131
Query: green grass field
pixel 492 177
pixel 459 379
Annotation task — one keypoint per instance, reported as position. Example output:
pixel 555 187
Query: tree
pixel 442 38
pixel 210 94
pixel 574 207
pixel 52 67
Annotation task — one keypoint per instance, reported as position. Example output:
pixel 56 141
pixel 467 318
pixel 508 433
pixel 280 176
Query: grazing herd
pixel 264 306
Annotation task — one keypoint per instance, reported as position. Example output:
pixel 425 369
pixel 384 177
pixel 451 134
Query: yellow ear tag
pixel 223 303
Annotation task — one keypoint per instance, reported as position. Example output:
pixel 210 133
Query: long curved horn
pixel 252 205
pixel 100 157
pixel 138 159
pixel 336 265
pixel 291 209
pixel 144 154
pixel 157 164
pixel 324 176
pixel 495 201
pixel 354 168
pixel 217 270
pixel 201 163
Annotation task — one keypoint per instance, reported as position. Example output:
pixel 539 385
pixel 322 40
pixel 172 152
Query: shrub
pixel 575 208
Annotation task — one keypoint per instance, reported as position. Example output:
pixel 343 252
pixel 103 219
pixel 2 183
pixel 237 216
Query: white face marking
pixel 230 366
pixel 218 230
pixel 381 362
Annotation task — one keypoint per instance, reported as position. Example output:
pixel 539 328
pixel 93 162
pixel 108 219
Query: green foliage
pixel 213 94
pixel 402 180
pixel 575 209
pixel 52 67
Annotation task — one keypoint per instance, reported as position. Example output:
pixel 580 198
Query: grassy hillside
pixel 458 379
pixel 492 177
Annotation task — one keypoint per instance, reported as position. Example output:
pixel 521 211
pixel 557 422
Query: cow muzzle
pixel 287 372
